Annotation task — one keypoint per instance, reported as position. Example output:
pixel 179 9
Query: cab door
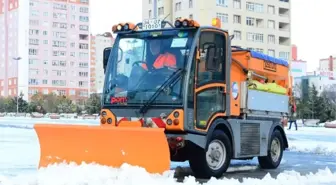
pixel 210 79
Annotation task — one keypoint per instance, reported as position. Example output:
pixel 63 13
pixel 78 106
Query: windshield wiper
pixel 176 75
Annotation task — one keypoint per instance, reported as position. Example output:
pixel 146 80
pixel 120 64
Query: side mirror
pixel 211 59
pixel 231 37
pixel 106 55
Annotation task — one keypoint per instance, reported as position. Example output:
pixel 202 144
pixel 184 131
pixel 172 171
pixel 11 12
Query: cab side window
pixel 211 66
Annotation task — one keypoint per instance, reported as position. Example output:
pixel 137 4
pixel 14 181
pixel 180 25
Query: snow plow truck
pixel 217 102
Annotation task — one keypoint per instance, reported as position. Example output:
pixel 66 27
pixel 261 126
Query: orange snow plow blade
pixel 111 146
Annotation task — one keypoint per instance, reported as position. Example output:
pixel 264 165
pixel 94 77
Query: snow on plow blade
pixel 104 145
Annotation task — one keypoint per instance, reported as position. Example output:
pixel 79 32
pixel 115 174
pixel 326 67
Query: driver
pixel 165 59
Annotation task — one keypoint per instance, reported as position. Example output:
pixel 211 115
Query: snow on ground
pixel 322 148
pixel 306 139
pixel 312 140
pixel 89 174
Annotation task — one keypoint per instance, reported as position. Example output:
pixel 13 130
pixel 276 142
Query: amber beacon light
pixel 124 27
pixel 216 23
pixel 186 23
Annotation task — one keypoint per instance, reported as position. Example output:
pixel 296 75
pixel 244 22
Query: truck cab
pixel 199 94
pixel 202 69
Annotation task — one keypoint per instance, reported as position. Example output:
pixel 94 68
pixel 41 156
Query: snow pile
pixel 332 122
pixel 90 174
pixel 315 147
pixel 312 140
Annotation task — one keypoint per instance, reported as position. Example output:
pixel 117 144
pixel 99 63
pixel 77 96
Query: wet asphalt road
pixel 303 163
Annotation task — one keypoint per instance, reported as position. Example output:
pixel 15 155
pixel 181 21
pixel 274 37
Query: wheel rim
pixel 275 149
pixel 216 154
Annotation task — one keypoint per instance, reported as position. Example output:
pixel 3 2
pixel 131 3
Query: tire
pixel 275 150
pixel 199 162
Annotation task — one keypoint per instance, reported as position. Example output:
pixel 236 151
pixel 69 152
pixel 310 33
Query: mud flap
pixel 111 146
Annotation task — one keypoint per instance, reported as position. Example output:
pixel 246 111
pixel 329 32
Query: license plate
pixel 151 24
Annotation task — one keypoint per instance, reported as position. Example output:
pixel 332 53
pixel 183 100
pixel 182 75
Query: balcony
pixel 285 41
pixel 284 26
pixel 284 12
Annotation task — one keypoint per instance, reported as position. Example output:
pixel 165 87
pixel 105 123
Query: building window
pixel 33 41
pixel 84 18
pixel 284 55
pixel 161 11
pixel 178 6
pixel 84 1
pixel 255 37
pixel 250 21
pixel 149 1
pixel 191 16
pixel 190 3
pixel 223 3
pixel 33 52
pixel 83 27
pixel 223 17
pixel 259 50
pixel 237 4
pixel 271 39
pixel 255 7
pixel 271 52
pixel 150 13
pixel 84 9
pixel 271 24
pixel 237 35
pixel 34 22
pixel 237 19
pixel 271 9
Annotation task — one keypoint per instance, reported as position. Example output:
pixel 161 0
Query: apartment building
pixel 98 43
pixel 46 47
pixel 260 25
pixel 328 64
pixel 10 36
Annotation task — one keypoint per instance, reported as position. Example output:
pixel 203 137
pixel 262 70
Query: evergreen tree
pixel 314 102
pixel 93 104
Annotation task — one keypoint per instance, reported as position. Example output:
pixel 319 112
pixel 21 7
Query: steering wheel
pixel 137 63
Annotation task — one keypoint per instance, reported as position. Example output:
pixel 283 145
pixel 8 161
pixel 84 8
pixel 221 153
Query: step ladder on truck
pixel 218 102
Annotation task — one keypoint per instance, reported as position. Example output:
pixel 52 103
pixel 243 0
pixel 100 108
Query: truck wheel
pixel 215 160
pixel 275 152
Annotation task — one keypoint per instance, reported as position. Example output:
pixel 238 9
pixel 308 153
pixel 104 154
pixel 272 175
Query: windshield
pixel 142 62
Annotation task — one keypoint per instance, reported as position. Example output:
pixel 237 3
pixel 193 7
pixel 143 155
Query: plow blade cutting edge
pixel 110 146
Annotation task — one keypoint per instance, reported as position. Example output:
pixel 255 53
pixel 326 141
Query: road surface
pixel 303 163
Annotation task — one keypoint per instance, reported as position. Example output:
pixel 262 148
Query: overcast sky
pixel 313 29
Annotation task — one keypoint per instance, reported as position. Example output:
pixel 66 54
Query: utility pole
pixel 17 83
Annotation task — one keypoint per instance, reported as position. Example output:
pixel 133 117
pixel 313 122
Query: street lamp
pixel 17 83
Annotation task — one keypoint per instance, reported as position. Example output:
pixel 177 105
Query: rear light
pixel 103 121
pixel 176 122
